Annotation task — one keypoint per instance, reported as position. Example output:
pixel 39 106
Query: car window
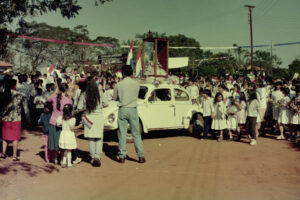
pixel 142 93
pixel 160 95
pixel 181 95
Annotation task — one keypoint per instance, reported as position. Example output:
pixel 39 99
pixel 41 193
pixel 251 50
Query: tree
pixel 12 10
pixel 280 73
pixel 38 53
pixel 241 56
pixel 294 67
pixel 218 64
pixel 263 59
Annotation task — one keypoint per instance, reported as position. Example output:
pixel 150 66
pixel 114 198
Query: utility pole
pixel 271 54
pixel 251 35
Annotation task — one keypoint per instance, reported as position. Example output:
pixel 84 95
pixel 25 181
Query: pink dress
pixel 56 113
pixel 242 114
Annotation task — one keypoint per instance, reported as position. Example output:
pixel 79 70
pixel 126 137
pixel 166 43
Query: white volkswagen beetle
pixel 160 107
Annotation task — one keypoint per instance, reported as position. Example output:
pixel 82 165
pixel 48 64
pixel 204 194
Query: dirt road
pixel 178 168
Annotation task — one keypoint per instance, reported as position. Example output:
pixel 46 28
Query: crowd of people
pixel 61 105
pixel 250 103
pixel 232 105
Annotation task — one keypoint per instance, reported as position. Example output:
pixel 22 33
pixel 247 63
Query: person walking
pixel 126 93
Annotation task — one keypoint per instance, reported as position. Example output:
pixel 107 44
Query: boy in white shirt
pixel 208 110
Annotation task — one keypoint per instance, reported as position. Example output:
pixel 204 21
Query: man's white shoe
pixel 77 161
pixel 253 142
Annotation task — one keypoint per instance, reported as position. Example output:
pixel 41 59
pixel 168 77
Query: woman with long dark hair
pixel 12 103
pixel 58 100
pixel 93 119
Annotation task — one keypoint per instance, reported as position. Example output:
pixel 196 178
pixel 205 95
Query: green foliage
pixel 294 67
pixel 17 10
pixel 263 59
pixel 281 73
pixel 39 53
pixel 208 71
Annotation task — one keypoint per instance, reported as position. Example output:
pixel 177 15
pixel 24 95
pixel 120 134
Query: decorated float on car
pixel 162 104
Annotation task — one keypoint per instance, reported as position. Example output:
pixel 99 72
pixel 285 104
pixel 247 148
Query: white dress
pixel 242 114
pixel 232 119
pixel 276 96
pixel 284 113
pixel 294 109
pixel 219 120
pixel 295 119
pixel 67 139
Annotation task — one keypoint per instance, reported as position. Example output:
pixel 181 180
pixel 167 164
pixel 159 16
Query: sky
pixel 212 23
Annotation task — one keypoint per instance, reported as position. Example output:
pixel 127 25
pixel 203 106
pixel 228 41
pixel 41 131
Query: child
pixel 44 122
pixel 232 118
pixel 194 91
pixel 219 120
pixel 295 119
pixel 253 110
pixel 208 110
pixel 241 114
pixel 67 140
pixel 39 102
pixel 284 112
pixel 275 97
pixel 110 91
pixel 48 91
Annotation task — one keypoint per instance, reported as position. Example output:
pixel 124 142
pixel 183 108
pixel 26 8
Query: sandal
pixel 3 156
pixel 15 159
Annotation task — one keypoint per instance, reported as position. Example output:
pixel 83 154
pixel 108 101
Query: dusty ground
pixel 177 167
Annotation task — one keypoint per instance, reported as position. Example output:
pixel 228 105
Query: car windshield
pixel 142 93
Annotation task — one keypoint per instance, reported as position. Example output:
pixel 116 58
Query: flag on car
pixel 130 56
pixel 138 66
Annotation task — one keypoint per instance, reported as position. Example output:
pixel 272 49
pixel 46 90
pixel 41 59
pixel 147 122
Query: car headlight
pixel 111 118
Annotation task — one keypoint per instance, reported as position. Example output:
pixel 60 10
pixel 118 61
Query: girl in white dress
pixel 219 118
pixel 67 140
pixel 241 114
pixel 232 117
pixel 262 98
pixel 275 97
pixel 284 116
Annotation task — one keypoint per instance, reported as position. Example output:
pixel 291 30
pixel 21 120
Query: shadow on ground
pixel 24 167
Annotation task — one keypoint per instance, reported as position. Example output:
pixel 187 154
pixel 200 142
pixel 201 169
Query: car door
pixel 183 104
pixel 160 109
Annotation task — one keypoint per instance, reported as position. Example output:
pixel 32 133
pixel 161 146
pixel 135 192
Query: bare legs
pixel 4 147
pixel 15 148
